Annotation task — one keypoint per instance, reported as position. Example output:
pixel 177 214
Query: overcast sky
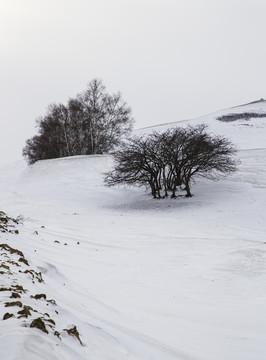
pixel 170 59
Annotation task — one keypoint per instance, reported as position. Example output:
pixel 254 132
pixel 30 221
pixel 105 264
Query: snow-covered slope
pixel 139 278
pixel 245 133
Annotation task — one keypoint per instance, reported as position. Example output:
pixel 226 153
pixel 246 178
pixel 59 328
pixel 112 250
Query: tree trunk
pixel 173 196
pixel 187 188
pixel 153 192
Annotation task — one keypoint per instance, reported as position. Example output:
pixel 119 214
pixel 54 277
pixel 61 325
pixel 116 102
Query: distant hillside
pixel 244 125
pixel 254 102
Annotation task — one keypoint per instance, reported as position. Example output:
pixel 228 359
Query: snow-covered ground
pixel 139 278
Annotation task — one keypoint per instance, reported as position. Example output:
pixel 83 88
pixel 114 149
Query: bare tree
pixel 205 155
pixel 170 161
pixel 92 123
pixel 107 117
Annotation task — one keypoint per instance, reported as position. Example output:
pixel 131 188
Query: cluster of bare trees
pixel 240 116
pixel 91 123
pixel 169 161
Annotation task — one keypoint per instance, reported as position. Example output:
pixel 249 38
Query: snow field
pixel 142 278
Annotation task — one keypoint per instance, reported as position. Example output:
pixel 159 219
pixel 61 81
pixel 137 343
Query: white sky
pixel 170 59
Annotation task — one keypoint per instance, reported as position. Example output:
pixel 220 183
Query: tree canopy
pixel 169 161
pixel 91 123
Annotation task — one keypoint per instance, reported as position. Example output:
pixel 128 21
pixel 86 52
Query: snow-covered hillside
pixel 139 278
pixel 246 133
